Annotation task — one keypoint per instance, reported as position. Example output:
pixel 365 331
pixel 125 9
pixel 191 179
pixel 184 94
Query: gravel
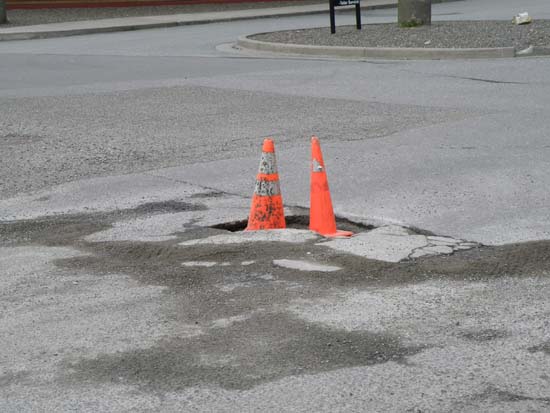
pixel 43 16
pixel 457 34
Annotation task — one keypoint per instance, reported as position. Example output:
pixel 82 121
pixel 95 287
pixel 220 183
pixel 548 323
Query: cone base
pixel 266 227
pixel 337 234
pixel 266 212
pixel 261 229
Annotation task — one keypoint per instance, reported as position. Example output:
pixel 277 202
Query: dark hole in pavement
pixel 241 355
pixel 232 226
pixel 298 222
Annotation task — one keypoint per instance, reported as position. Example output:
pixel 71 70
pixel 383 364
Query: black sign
pixel 338 3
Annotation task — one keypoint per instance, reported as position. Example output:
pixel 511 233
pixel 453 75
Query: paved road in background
pixel 117 148
pixel 458 148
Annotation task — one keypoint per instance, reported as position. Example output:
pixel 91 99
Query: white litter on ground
pixel 199 263
pixel 227 322
pixel 305 265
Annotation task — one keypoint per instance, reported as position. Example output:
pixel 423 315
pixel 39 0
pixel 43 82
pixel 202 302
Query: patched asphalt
pixel 246 324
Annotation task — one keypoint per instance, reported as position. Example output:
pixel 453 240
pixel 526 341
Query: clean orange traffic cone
pixel 321 214
pixel 267 210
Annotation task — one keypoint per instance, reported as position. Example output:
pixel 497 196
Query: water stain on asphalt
pixel 263 348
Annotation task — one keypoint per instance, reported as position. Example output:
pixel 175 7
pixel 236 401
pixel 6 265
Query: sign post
pixel 3 18
pixel 339 3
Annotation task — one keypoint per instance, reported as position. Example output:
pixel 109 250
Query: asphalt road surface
pixel 121 155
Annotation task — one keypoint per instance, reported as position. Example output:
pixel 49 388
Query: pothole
pixel 298 222
pixel 391 243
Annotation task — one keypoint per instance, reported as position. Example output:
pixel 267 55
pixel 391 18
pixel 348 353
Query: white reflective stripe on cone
pixel 267 188
pixel 268 164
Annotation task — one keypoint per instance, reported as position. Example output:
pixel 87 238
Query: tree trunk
pixel 411 13
pixel 3 17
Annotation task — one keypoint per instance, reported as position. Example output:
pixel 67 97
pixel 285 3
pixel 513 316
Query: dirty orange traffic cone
pixel 321 214
pixel 267 211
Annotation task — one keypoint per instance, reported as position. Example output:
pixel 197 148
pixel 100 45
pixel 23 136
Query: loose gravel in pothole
pixel 451 34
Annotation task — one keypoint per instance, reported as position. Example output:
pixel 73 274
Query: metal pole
pixel 3 17
pixel 358 16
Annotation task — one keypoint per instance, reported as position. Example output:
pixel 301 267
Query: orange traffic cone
pixel 267 211
pixel 321 214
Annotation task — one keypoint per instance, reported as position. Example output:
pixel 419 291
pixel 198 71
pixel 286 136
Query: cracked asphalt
pixel 127 162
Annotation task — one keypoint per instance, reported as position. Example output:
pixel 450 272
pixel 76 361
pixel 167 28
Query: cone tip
pixel 268 145
pixel 316 150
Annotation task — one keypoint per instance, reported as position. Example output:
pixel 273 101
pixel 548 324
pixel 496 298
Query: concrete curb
pixel 391 53
pixel 541 51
